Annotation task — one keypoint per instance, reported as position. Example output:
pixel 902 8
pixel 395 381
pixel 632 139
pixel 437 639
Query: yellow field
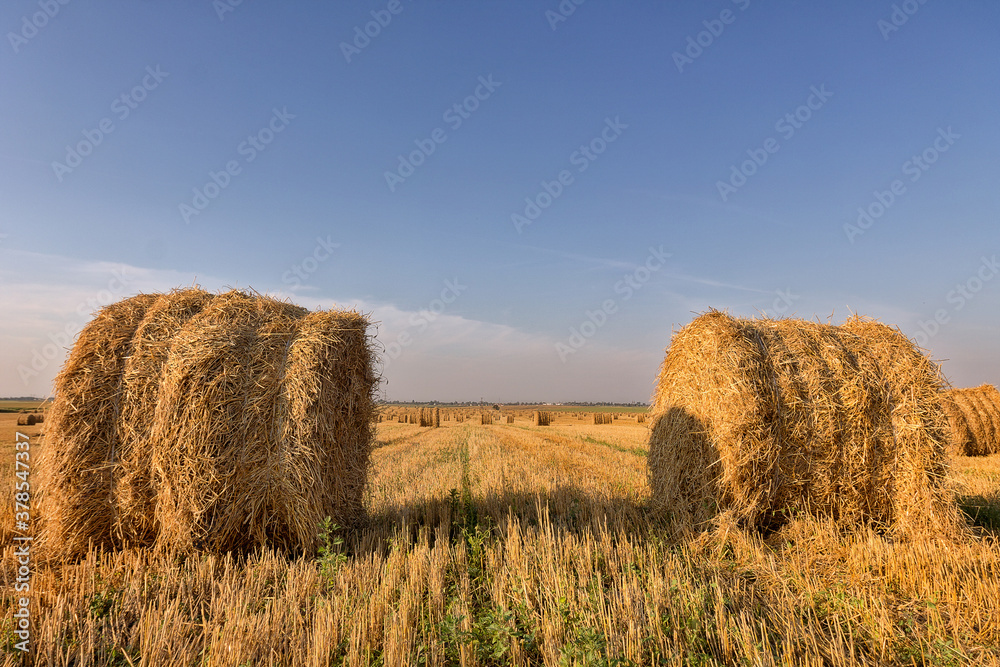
pixel 523 545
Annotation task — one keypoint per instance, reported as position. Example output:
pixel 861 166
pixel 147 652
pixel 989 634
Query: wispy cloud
pixel 449 356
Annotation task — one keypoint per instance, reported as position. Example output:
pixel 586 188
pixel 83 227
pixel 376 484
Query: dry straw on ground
pixel 222 423
pixel 760 419
pixel 974 418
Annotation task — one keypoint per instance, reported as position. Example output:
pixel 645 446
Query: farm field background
pixel 516 544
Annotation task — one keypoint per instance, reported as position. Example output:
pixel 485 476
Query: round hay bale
pixel 39 418
pixel 960 438
pixel 31 420
pixel 77 463
pixel 277 434
pixel 221 422
pixel 759 419
pixel 22 420
pixel 974 417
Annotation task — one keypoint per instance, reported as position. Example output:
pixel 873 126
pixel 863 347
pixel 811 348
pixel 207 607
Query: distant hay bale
pixel 31 420
pixel 602 418
pixel 22 420
pixel 540 418
pixel 974 419
pixel 510 419
pixel 760 418
pixel 436 422
pixel 640 419
pixel 486 418
pixel 223 423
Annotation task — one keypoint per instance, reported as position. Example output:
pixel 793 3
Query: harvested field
pixel 514 544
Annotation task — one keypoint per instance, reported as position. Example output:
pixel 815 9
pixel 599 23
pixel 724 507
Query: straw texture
pixel 760 419
pixel 219 422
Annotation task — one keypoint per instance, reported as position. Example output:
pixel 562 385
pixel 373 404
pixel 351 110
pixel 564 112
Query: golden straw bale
pixel 974 417
pixel 759 418
pixel 223 422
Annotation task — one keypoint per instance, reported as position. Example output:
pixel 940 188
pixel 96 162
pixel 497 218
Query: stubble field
pixel 525 545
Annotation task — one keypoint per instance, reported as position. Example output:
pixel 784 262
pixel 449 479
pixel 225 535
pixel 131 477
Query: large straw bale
pixel 974 418
pixel 759 419
pixel 221 422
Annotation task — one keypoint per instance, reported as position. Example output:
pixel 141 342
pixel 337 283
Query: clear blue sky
pixel 661 131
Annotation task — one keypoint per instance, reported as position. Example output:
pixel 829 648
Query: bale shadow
pixel 982 512
pixel 568 510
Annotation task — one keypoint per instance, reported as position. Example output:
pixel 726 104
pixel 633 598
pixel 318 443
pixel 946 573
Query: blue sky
pixel 712 154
